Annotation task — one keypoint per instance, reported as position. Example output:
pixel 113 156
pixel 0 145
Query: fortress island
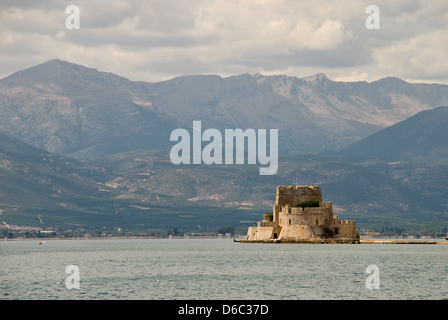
pixel 300 216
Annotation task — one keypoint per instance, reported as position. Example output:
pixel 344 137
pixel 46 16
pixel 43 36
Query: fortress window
pixel 336 231
pixel 289 221
pixel 317 222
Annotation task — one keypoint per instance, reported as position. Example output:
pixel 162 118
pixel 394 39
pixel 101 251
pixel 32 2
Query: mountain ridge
pixel 421 138
pixel 91 111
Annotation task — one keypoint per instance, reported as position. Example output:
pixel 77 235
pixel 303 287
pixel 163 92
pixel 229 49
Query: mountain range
pixel 69 109
pixel 82 146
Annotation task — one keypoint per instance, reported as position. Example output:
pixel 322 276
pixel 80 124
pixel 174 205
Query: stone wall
pixel 310 216
pixel 345 228
pixel 294 194
pixel 263 233
pixel 296 232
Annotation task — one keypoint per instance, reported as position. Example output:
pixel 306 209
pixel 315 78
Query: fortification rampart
pixel 301 223
pixel 345 228
pixel 290 195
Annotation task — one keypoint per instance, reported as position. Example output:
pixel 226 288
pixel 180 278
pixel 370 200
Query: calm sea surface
pixel 219 269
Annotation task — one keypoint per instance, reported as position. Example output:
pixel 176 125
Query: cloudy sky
pixel 157 40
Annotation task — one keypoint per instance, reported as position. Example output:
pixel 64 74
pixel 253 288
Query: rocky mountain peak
pixel 318 77
pixel 61 73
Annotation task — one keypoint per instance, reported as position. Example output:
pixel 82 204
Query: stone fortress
pixel 300 216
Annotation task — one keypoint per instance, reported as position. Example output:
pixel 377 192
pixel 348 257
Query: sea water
pixel 220 269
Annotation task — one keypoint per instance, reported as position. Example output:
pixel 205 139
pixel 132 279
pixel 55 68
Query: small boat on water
pixel 42 242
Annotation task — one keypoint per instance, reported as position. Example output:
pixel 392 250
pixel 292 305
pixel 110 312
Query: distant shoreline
pixel 361 241
pixel 118 238
pixel 391 241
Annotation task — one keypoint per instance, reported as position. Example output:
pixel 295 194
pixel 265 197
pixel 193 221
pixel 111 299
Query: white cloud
pixel 420 58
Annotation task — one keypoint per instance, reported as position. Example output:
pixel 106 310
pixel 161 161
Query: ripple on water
pixel 220 269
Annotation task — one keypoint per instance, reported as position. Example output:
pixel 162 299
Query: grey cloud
pixel 138 41
pixel 42 5
pixel 215 36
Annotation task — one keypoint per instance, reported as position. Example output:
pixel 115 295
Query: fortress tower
pixel 300 215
